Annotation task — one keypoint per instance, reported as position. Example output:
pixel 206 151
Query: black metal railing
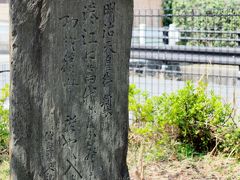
pixel 194 44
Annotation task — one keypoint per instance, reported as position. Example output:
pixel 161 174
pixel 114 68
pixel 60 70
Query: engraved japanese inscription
pixel 69 89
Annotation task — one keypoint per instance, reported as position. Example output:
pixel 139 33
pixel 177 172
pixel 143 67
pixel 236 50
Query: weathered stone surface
pixel 69 89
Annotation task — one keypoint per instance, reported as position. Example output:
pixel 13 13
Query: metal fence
pixel 171 46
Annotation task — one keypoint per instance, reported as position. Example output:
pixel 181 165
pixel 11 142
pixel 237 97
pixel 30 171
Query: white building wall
pixel 147 4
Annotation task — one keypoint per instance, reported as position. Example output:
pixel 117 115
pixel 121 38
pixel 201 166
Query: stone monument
pixel 69 89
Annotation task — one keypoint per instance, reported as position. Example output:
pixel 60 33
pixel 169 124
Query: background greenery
pixel 4 134
pixel 4 123
pixel 213 16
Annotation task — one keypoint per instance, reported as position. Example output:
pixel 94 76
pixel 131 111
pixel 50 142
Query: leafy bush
pixel 229 139
pixel 214 16
pixel 141 111
pixel 4 119
pixel 188 122
pixel 194 114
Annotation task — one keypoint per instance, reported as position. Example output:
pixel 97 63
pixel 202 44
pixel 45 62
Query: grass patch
pixel 4 167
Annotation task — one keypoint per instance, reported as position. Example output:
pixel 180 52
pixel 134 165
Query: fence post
pixel 173 35
pixel 142 34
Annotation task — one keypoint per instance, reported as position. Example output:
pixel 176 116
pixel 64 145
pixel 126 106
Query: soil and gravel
pixel 206 168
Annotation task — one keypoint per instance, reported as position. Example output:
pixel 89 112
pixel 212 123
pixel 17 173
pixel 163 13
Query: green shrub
pixel 142 108
pixel 185 123
pixel 194 115
pixel 229 139
pixel 4 119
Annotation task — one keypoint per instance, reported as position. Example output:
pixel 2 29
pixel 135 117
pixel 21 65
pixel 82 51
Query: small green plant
pixel 185 123
pixel 229 139
pixel 4 119
pixel 184 151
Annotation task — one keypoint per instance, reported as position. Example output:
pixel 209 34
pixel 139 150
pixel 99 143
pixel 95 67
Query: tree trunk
pixel 69 89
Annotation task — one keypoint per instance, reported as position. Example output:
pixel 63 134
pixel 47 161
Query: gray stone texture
pixel 69 89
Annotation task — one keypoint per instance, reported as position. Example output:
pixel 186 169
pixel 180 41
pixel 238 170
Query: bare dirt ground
pixel 206 168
